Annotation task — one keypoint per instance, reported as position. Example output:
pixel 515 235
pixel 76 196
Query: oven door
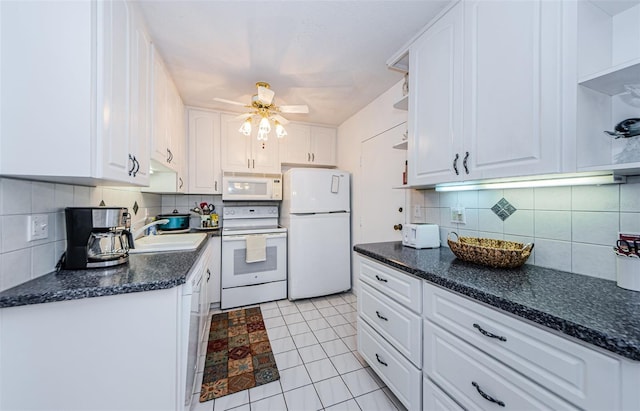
pixel 237 272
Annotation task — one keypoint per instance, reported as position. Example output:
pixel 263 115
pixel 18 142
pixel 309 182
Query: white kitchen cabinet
pixel 478 381
pixel 140 135
pixel 324 141
pixel 483 108
pixel 168 125
pixel 205 173
pixel 506 355
pixel 168 141
pixel 245 153
pixel 434 399
pixel 119 352
pixel 512 90
pixel 435 109
pixel 309 145
pixel 389 334
pixel 85 81
pixel 400 375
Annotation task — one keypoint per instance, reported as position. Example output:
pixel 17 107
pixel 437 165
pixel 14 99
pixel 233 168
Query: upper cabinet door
pixel 114 72
pixel 204 152
pixel 246 153
pixel 323 146
pixel 512 87
pixel 236 147
pixel 140 99
pixel 294 147
pixel 435 102
pixel 159 143
pixel 265 155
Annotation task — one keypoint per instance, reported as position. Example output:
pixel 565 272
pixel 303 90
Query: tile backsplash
pixel 22 260
pixel 573 228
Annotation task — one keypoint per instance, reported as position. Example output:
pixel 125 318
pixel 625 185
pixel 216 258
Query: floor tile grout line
pixel 297 349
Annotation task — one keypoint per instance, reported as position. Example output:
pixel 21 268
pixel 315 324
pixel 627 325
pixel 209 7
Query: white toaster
pixel 421 235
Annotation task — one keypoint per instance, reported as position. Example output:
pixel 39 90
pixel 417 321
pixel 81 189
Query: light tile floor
pixel 315 346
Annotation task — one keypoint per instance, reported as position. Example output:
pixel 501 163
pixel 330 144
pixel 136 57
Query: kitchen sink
pixel 168 242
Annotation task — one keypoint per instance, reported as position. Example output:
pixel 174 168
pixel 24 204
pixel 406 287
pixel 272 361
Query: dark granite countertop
pixel 143 272
pixel 590 309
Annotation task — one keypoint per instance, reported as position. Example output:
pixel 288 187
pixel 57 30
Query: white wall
pixel 372 120
pixel 21 260
pixel 573 228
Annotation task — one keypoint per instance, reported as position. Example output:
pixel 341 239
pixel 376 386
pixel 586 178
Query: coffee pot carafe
pixel 97 237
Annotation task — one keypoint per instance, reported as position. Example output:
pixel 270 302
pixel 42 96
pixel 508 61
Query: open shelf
pixel 611 81
pixel 402 104
pixel 402 145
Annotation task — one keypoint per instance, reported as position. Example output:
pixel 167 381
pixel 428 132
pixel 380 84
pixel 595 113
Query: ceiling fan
pixel 263 108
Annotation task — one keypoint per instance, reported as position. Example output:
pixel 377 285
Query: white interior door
pixel 381 170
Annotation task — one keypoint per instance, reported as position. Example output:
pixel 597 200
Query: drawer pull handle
pixel 488 334
pixel 486 396
pixel 384 280
pixel 381 362
pixel 381 317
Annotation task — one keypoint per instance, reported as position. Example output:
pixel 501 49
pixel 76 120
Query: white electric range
pixel 243 281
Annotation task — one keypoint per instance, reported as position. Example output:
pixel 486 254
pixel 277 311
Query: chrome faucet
pixel 140 231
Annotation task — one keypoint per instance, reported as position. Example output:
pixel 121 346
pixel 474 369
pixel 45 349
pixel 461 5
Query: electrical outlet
pixel 417 212
pixel 458 215
pixel 38 227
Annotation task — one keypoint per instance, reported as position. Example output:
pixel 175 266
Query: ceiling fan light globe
pixel 245 128
pixel 262 135
pixel 264 126
pixel 280 131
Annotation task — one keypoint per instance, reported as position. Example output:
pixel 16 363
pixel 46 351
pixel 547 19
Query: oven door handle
pixel 244 236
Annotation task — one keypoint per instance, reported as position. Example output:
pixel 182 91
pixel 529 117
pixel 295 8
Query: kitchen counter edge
pixel 585 320
pixel 143 272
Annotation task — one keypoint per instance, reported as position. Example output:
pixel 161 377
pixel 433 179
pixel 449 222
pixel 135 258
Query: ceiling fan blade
pixel 243 116
pixel 302 108
pixel 280 119
pixel 222 100
pixel 265 95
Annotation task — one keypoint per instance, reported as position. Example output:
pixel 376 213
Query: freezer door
pixel 319 255
pixel 316 190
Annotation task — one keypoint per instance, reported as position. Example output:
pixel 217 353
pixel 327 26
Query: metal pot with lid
pixel 177 221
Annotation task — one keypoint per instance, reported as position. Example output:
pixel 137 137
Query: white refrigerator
pixel 316 212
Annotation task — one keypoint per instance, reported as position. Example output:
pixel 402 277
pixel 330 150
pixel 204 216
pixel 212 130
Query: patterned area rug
pixel 239 354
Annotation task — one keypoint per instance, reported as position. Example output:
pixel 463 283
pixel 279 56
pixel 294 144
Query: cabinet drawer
pixel 434 399
pixel 472 377
pixel 402 287
pixel 402 378
pixel 397 324
pixel 583 376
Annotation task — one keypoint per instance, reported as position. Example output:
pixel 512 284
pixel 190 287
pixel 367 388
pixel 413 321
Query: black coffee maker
pixel 97 237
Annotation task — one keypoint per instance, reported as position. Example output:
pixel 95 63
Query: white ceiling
pixel 329 55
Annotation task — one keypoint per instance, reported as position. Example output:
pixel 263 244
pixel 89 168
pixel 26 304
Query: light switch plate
pixel 38 227
pixel 458 215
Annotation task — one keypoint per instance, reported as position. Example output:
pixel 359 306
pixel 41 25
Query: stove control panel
pixel 244 212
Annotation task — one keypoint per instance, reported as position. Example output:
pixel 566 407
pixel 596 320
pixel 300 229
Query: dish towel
pixel 256 248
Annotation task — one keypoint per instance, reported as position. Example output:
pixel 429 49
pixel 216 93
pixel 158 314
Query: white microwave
pixel 251 187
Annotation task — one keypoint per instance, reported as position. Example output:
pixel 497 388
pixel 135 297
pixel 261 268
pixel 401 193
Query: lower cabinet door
pixel 434 399
pixel 477 381
pixel 402 378
pixel 398 325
